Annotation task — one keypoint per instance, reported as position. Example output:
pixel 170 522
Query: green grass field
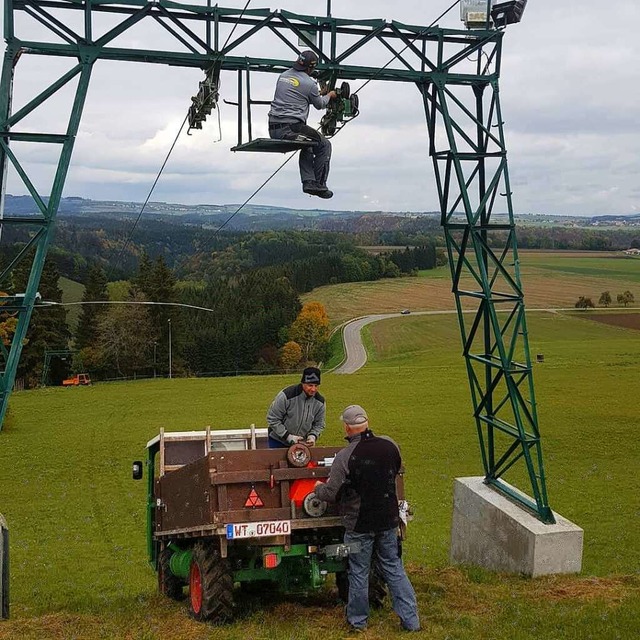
pixel 77 519
pixel 614 265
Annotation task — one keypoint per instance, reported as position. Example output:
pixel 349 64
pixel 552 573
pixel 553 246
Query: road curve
pixel 355 353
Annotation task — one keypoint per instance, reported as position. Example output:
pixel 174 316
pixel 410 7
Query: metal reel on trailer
pixel 298 455
pixel 313 506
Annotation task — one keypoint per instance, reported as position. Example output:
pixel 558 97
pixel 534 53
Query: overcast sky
pixel 569 90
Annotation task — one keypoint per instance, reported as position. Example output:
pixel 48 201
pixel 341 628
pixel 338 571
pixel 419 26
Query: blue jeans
pixel 276 444
pixel 385 545
pixel 314 161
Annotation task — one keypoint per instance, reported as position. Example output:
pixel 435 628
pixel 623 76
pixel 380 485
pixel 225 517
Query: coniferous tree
pixel 95 291
pixel 158 284
pixel 47 329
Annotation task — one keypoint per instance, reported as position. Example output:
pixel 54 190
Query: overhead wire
pixel 164 164
pixel 228 220
pixel 422 32
pixel 153 186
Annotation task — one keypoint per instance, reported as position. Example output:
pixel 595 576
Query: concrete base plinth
pixel 490 531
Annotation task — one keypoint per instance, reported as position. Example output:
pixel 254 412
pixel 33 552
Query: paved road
pixel 356 355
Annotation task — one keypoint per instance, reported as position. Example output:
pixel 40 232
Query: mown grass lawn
pixel 77 519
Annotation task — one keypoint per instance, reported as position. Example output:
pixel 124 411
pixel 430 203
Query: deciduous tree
pixel 290 355
pixel 8 323
pixel 605 299
pixel 311 330
pixel 125 336
pixel 626 298
pixel 584 303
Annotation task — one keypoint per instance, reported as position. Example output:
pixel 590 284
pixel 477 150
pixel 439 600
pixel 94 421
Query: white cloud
pixel 569 89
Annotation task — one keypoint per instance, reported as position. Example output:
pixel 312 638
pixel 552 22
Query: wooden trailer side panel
pixel 185 497
pixel 232 487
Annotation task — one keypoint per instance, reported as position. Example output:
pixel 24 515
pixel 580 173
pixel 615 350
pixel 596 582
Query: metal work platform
pixel 269 145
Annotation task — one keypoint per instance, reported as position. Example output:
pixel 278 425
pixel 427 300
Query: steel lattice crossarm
pixel 196 32
pixel 456 72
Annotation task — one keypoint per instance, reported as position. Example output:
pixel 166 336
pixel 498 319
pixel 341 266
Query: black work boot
pixel 315 189
pixel 310 187
pixel 324 192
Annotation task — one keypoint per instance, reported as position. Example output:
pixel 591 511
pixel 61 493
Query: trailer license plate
pixel 258 529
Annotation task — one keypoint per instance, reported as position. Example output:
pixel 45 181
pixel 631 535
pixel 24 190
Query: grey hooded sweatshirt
pixel 295 91
pixel 293 412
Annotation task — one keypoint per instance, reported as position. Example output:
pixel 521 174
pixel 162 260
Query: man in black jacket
pixel 363 481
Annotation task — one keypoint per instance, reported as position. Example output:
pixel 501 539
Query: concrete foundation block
pixel 488 530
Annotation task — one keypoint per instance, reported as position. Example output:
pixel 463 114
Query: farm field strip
pixel 549 281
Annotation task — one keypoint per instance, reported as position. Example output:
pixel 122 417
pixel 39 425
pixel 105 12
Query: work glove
pixel 311 440
pixel 291 439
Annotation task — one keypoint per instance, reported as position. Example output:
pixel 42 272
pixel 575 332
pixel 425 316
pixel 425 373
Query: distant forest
pixel 250 281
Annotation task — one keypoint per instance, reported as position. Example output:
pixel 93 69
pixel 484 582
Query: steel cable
pixel 155 182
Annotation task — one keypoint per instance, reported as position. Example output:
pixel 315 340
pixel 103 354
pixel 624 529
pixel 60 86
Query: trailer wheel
pixel 210 585
pixel 168 584
pixel 377 586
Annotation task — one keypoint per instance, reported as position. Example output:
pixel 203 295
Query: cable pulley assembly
pixel 206 99
pixel 339 111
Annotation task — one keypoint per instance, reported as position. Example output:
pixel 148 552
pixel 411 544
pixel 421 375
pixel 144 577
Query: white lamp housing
pixel 474 13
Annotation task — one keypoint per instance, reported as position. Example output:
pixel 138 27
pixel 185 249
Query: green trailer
pixel 226 515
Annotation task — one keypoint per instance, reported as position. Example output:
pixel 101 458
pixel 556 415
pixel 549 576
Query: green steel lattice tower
pixel 456 73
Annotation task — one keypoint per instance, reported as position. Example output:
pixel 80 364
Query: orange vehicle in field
pixel 78 379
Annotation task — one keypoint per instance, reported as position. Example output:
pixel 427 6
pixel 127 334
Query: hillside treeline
pixel 249 317
pixel 195 251
pixel 249 282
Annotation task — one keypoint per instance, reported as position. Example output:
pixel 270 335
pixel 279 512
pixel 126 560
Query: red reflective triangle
pixel 253 500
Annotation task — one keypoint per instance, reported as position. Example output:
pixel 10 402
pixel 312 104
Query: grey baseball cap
pixel 354 415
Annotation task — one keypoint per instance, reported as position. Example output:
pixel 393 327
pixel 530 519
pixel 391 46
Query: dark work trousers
pixel 314 161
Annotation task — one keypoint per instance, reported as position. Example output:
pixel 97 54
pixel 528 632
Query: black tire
pixel 168 584
pixel 210 585
pixel 342 582
pixel 377 586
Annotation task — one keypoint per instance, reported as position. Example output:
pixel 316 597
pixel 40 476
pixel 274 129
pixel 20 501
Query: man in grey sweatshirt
pixel 295 91
pixel 297 413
